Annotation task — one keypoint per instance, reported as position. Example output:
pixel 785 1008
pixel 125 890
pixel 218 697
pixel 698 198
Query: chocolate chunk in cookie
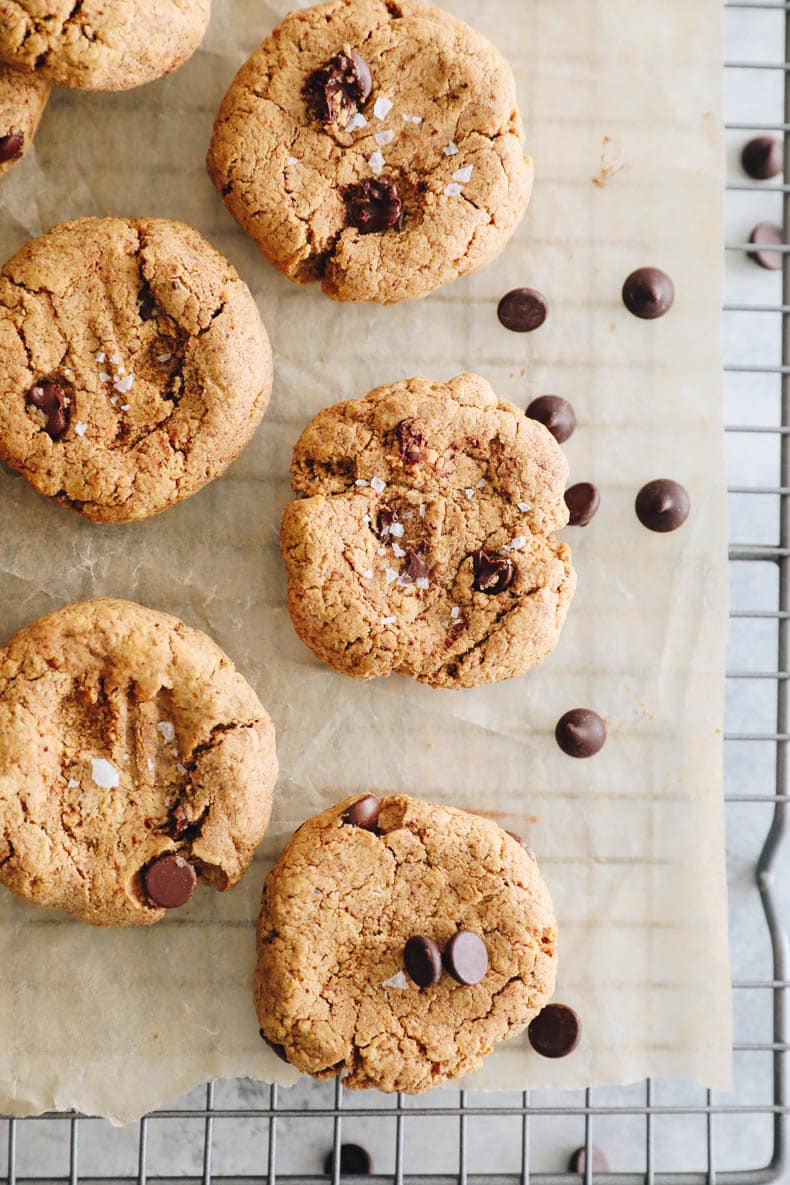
pixel 49 397
pixel 466 958
pixel 494 574
pixel 340 88
pixel 170 881
pixel 423 961
pixel 363 813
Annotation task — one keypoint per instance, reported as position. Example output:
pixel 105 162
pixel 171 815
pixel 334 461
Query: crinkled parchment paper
pixel 621 101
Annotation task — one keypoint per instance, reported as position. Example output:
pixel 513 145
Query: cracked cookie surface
pixel 339 907
pixel 422 541
pixel 23 98
pixel 101 44
pixel 125 736
pixel 134 366
pixel 305 129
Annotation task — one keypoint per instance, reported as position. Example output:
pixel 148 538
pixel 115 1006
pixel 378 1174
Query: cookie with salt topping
pixel 134 365
pixel 135 764
pixel 422 541
pixel 375 146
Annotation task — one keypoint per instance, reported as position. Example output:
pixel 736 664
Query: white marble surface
pixel 240 1147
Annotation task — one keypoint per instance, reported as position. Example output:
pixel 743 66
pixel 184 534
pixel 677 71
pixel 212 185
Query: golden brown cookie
pixel 375 146
pixel 134 366
pixel 422 541
pixel 101 45
pixel 23 98
pixel 399 941
pixel 135 762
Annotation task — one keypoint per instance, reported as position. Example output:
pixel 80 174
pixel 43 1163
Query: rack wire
pixel 238 1132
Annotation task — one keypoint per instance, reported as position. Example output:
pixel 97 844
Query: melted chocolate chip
pixel 466 958
pixel 412 445
pixel 355 1161
pixel 11 146
pixel 384 519
pixel 582 501
pixel 763 158
pixel 578 1161
pixel 177 824
pixel 146 303
pixel 767 234
pixel 416 565
pixel 373 205
pixel 423 961
pixel 50 398
pixel 580 733
pixel 555 1032
pixel 493 573
pixel 363 813
pixel 523 309
pixel 340 87
pixel 662 505
pixel 648 293
pixel 555 413
pixel 170 880
pixel 278 1049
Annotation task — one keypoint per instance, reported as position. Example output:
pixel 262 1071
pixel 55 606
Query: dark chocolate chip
pixel 50 398
pixel 767 234
pixel 11 146
pixel 170 880
pixel 648 293
pixel 763 157
pixel 580 732
pixel 466 958
pixel 523 309
pixel 493 573
pixel 555 413
pixel 146 303
pixel 340 87
pixel 374 205
pixel 412 445
pixel 355 1161
pixel 363 813
pixel 423 961
pixel 582 501
pixel 385 517
pixel 416 565
pixel 662 505
pixel 278 1049
pixel 555 1032
pixel 177 824
pixel 578 1161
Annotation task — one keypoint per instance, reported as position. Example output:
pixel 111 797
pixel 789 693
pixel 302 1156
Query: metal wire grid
pixel 527 1111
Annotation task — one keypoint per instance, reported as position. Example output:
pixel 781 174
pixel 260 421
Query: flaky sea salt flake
pixel 368 574
pixel 104 774
pixel 73 784
pixel 398 551
pixel 524 507
pixel 397 530
pixel 450 149
pixel 100 357
pixel 104 377
pixel 452 189
pixel 388 620
pixel 182 769
pixel 378 485
pixel 166 731
pixel 479 484
pixel 115 359
pixel 398 980
pixel 517 543
pixel 385 137
pixel 422 510
pixel 125 384
pixel 163 357
pixel 463 174
pixel 412 119
pixel 455 612
pixel 422 582
pixel 357 120
pixel 390 574
pixel 81 428
pixel 376 162
pixel 382 107
pixel 361 482
pixel 469 493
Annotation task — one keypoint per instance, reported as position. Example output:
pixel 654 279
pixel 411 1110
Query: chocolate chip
pixel 580 732
pixel 146 303
pixel 493 573
pixel 466 958
pixel 340 87
pixel 763 158
pixel 416 565
pixel 50 398
pixel 582 501
pixel 385 517
pixel 555 1032
pixel 423 961
pixel 355 1161
pixel 578 1161
pixel 555 413
pixel 11 146
pixel 278 1049
pixel 522 309
pixel 412 445
pixel 363 813
pixel 648 293
pixel 170 880
pixel 662 505
pixel 373 205
pixel 767 234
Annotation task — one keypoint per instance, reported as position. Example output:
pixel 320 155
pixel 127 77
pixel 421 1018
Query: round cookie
pixel 375 146
pixel 23 98
pixel 134 366
pixel 422 541
pixel 101 45
pixel 339 907
pixel 134 759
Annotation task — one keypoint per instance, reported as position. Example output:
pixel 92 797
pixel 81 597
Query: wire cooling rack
pixel 660 1133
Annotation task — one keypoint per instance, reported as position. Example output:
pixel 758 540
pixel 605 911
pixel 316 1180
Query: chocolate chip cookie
pixel 101 45
pixel 135 763
pixel 422 541
pixel 23 98
pixel 399 941
pixel 375 146
pixel 134 366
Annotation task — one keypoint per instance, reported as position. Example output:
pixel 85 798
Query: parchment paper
pixel 622 108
